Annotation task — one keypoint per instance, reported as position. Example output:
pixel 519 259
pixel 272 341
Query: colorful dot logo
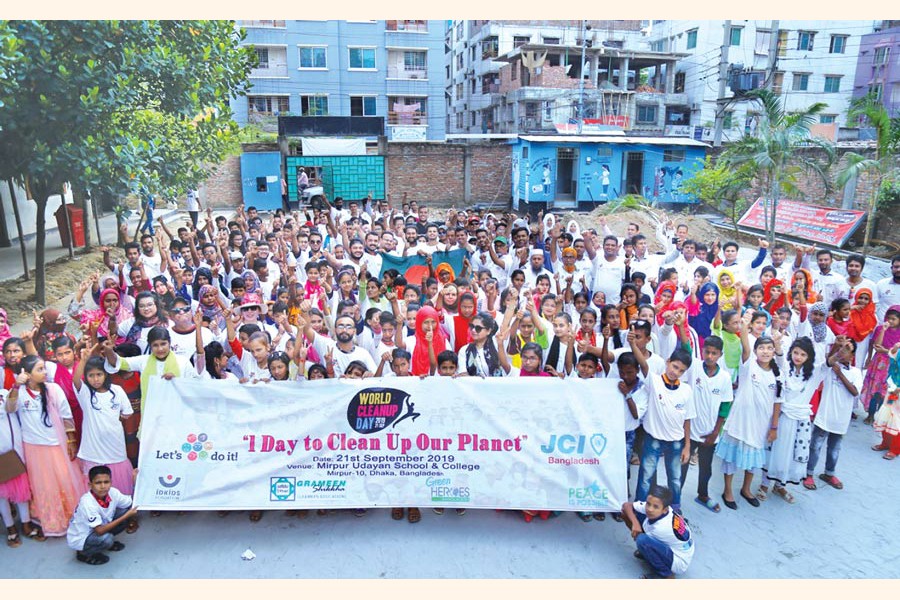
pixel 197 446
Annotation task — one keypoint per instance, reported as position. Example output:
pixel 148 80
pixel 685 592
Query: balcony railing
pixel 262 23
pixel 403 73
pixel 407 25
pixel 272 70
pixel 490 88
pixel 407 118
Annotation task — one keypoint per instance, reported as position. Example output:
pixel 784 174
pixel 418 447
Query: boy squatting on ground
pixel 662 534
pixel 101 513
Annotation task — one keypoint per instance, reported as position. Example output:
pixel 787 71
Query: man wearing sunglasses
pixel 342 349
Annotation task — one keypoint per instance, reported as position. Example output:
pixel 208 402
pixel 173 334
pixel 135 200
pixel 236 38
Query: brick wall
pixel 223 188
pixel 813 190
pixel 434 174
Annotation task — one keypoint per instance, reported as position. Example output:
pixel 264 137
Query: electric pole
pixel 581 78
pixel 773 57
pixel 723 73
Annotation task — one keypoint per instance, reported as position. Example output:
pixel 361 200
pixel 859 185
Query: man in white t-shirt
pixel 101 513
pixel 888 290
pixel 343 349
pixel 609 269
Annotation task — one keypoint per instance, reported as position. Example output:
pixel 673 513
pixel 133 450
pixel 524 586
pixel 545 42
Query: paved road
pixel 850 533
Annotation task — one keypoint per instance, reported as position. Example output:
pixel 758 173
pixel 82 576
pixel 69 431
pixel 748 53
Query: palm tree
pixel 882 167
pixel 774 155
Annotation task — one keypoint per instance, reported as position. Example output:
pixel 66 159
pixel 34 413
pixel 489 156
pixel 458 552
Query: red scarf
pixel 591 339
pixel 103 502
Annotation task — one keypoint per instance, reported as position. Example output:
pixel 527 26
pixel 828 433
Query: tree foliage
pixel 116 106
pixel 720 185
pixel 774 154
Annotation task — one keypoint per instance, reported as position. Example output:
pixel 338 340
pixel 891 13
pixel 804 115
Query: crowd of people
pixel 762 363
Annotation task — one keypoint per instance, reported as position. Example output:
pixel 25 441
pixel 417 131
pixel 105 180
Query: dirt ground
pixel 62 277
pixel 699 228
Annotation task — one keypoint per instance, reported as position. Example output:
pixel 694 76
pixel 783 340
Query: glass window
pixel 832 84
pixel 362 58
pixel 313 57
pixel 519 40
pixel 826 119
pixel 881 55
pixel 805 40
pixel 268 105
pixel 490 47
pixel 262 57
pixel 314 105
pixel 736 35
pixel 838 44
pixel 551 41
pixel 691 39
pixel 728 119
pixel 362 106
pixel 413 60
pixel 646 114
pixel 801 82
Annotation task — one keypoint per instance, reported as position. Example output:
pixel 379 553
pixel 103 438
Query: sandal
pixel 13 539
pixel 132 526
pixel 34 532
pixel 868 420
pixel 752 501
pixel 414 515
pixel 438 511
pixel 302 513
pixel 396 514
pixel 618 518
pixel 117 547
pixel 782 491
pixel 599 516
pixel 889 456
pixel 93 559
pixel 222 513
pixel 255 515
pixel 321 512
pixel 708 503
pixel 585 516
pixel 762 494
pixel 155 513
pixel 460 511
pixel 880 447
pixel 360 512
pixel 808 483
pixel 832 481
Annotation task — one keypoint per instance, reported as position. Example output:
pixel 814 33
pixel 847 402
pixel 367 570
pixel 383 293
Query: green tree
pixel 883 168
pixel 719 185
pixel 92 103
pixel 774 155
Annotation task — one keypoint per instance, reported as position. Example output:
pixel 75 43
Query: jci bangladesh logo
pixel 197 446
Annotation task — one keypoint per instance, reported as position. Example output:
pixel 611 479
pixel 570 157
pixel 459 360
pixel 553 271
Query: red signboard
pixel 807 221
pixel 617 120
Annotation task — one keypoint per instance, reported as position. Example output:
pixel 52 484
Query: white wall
pixel 28 211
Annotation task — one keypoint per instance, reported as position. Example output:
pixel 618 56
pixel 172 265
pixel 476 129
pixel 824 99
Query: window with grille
pixel 262 57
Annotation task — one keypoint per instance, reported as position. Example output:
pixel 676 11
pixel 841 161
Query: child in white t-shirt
pixel 713 395
pixel 101 514
pixel 667 422
pixel 662 535
pixel 840 388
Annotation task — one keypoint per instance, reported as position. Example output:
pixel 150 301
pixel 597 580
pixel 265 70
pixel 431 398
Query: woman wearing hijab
pixel 110 305
pixel 774 296
pixel 702 308
pixel 147 315
pixel 424 354
pixel 50 325
pixel 208 302
pixel 864 319
pixel 5 332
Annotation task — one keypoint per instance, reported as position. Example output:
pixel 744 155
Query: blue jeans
pixel 658 555
pixel 652 450
pixel 148 224
pixel 815 447
pixel 94 544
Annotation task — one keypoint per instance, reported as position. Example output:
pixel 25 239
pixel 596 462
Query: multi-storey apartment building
pixel 526 76
pixel 391 69
pixel 805 61
pixel 878 67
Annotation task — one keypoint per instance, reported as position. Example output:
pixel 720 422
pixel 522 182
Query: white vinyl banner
pixel 508 443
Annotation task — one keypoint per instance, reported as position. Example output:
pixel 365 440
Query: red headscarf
pixel 673 288
pixel 461 322
pixel 767 296
pixel 863 319
pixel 420 362
pixel 811 295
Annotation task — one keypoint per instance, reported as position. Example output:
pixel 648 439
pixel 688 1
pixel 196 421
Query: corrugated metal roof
pixel 611 139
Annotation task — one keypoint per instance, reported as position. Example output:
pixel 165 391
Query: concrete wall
pixel 28 211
